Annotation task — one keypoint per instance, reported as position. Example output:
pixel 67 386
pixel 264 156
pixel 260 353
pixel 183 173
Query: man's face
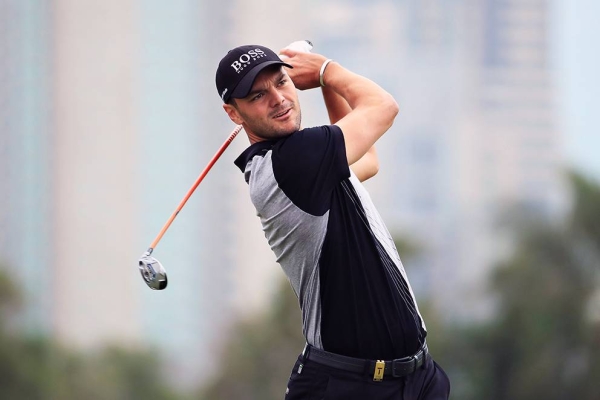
pixel 271 109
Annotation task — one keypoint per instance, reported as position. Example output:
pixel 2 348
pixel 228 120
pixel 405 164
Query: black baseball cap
pixel 240 67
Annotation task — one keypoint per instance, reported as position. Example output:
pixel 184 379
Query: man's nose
pixel 276 97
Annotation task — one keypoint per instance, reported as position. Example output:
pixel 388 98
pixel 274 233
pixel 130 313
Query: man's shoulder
pixel 308 136
pixel 318 129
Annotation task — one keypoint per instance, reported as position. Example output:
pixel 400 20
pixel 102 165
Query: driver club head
pixel 153 272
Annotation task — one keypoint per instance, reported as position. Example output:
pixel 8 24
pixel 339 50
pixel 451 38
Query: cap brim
pixel 243 88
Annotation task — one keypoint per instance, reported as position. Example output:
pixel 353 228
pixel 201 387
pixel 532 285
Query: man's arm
pixel 338 108
pixel 373 109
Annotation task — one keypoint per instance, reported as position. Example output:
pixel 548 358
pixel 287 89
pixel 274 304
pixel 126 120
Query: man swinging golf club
pixel 365 336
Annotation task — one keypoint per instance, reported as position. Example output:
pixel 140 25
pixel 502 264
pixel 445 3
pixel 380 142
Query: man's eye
pixel 282 82
pixel 258 96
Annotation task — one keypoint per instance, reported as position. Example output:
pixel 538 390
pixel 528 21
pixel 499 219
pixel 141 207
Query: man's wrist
pixel 322 71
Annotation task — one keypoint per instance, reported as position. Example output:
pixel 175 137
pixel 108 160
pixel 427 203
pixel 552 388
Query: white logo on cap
pixel 223 94
pixel 246 58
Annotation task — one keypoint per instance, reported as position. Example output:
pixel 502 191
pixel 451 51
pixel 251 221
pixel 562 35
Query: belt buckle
pixel 379 369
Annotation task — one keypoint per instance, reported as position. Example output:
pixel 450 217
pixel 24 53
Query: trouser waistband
pixel 379 369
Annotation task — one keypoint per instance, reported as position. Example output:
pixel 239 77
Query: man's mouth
pixel 282 113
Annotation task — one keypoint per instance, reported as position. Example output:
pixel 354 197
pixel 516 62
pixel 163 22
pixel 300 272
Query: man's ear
pixel 233 114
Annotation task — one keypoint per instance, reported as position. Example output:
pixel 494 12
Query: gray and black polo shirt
pixel 333 246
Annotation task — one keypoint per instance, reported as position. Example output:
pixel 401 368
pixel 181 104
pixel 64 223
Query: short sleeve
pixel 309 164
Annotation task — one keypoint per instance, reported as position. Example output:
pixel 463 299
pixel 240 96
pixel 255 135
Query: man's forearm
pixel 337 108
pixel 356 90
pixel 372 109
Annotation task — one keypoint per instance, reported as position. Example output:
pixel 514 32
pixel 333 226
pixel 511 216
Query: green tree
pixel 38 368
pixel 543 343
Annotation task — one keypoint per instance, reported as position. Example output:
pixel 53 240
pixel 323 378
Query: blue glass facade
pixel 26 177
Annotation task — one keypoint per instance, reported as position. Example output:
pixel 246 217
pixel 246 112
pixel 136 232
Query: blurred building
pixel 95 187
pixel 476 136
pixel 515 157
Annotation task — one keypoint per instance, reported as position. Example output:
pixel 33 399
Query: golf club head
pixel 153 272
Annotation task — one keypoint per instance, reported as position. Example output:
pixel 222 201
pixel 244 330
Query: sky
pixel 578 64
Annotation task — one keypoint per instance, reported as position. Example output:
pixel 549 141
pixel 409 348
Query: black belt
pixel 378 369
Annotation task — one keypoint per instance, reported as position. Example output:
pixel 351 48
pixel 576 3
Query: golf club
pixel 151 269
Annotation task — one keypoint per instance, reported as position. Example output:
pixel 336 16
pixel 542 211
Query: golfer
pixel 364 333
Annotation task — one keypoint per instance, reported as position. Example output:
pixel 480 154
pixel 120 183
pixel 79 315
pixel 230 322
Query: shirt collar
pixel 251 151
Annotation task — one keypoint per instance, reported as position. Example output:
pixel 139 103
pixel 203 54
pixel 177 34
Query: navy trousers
pixel 312 381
